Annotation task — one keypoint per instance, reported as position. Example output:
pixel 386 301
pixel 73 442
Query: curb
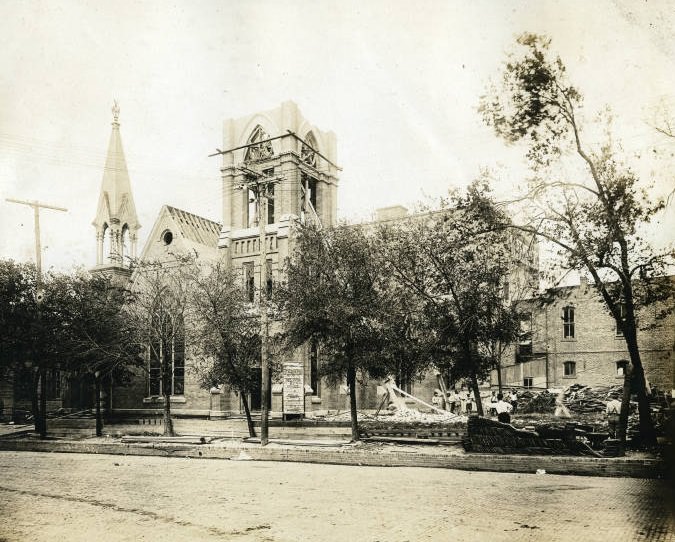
pixel 354 455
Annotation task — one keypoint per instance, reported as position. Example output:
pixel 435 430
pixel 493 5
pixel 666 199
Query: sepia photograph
pixel 370 271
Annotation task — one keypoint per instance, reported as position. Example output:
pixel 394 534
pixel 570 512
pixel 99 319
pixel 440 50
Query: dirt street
pixel 72 497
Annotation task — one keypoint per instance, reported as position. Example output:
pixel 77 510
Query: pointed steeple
pixel 116 221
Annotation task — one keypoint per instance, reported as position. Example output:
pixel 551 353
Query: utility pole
pixel 259 184
pixel 41 421
pixel 36 205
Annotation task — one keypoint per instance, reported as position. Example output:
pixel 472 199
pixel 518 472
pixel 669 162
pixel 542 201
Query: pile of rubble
pixel 578 399
pixel 403 415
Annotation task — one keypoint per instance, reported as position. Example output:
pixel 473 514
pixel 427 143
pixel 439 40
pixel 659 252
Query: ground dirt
pixel 73 497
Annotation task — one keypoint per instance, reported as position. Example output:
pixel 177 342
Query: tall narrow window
pixel 178 362
pixel 249 282
pixel 155 369
pixel 314 369
pixel 309 193
pixel 524 338
pixel 568 322
pixel 622 312
pixel 251 209
pixel 270 204
pixel 268 273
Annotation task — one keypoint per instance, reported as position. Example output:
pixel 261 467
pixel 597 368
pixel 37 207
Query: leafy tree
pixel 225 329
pixel 156 307
pixel 18 310
pixel 100 340
pixel 596 218
pixel 332 295
pixel 456 260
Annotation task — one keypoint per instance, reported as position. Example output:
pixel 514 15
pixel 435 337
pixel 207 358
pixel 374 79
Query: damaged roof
pixel 196 228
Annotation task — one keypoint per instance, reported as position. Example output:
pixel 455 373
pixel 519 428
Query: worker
pixel 514 400
pixel 613 411
pixel 493 403
pixel 503 409
pixel 457 403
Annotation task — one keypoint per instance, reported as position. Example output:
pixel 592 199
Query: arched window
pixel 308 150
pixel 261 147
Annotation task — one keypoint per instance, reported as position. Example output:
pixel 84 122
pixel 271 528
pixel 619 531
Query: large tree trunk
pixel 247 410
pixel 476 393
pixel 167 373
pixel 647 433
pixel 43 403
pixel 168 422
pixel 351 382
pixel 499 374
pixel 35 407
pixel 99 420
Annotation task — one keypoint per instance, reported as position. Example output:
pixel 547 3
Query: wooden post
pixel 264 366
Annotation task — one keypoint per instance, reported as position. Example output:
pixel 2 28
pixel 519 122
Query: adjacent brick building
pixel 575 340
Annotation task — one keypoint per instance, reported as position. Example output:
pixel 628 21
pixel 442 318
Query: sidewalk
pixel 335 450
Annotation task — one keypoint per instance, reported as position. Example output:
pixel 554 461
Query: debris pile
pixel 543 402
pixel 578 399
pixel 587 399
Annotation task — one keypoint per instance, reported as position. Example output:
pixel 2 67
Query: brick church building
pixel 302 158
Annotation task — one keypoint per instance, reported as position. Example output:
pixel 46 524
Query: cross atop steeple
pixel 116 221
pixel 116 112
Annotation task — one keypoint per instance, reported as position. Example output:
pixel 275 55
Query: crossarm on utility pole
pixel 36 205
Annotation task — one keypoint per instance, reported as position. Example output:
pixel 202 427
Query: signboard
pixel 294 390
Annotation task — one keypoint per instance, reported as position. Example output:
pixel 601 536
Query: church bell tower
pixel 116 222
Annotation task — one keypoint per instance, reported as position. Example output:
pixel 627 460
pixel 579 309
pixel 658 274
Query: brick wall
pixel 595 348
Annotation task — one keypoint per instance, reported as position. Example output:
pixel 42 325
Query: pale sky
pixel 398 82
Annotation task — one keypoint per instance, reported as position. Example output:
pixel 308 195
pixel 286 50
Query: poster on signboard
pixel 293 392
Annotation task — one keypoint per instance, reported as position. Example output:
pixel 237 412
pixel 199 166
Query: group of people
pixel 503 405
pixel 457 402
pixel 464 402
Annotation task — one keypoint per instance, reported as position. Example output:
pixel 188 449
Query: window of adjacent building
pixel 570 368
pixel 622 312
pixel 525 336
pixel 528 382
pixel 568 322
pixel 249 281
pixel 314 381
pixel 621 367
